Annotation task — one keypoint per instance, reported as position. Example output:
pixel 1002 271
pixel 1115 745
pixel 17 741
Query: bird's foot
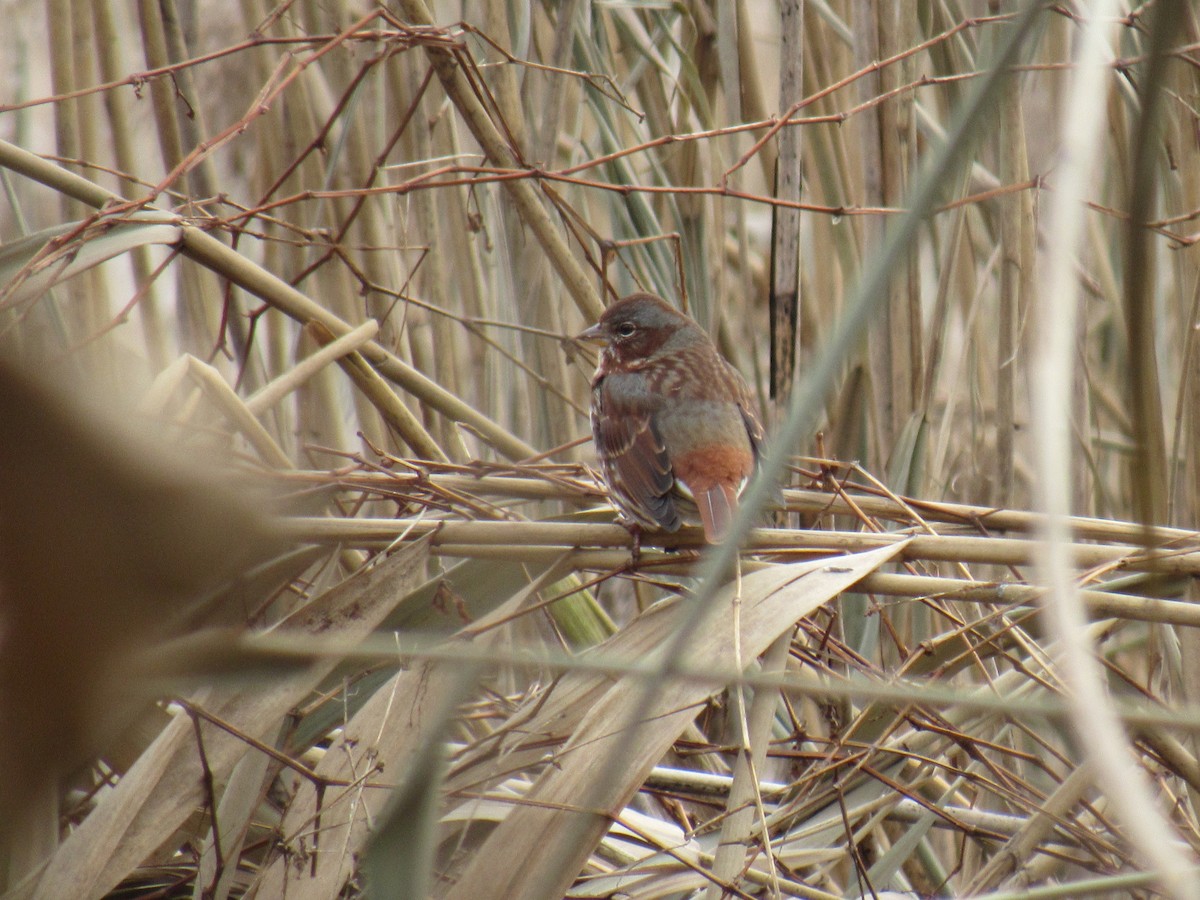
pixel 635 532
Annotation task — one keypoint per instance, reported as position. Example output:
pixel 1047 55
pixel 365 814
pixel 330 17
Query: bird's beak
pixel 592 335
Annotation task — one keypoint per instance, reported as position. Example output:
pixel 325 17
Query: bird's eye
pixel 626 329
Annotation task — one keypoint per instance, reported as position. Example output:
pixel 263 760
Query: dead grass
pixel 397 644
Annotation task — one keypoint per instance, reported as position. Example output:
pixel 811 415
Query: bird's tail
pixel 718 506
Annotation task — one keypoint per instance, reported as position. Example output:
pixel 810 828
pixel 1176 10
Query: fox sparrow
pixel 673 421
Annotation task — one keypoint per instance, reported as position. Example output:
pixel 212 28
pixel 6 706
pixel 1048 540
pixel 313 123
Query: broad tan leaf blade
pixel 21 280
pixel 461 593
pixel 393 733
pixel 400 858
pixel 164 786
pixel 555 831
pixel 324 832
pixel 244 792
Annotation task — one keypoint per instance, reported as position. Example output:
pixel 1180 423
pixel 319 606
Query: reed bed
pixel 309 587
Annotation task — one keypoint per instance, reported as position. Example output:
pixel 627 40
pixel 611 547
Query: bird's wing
pixel 746 404
pixel 755 431
pixel 633 455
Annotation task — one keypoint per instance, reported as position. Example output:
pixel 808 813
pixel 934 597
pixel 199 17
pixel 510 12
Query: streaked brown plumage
pixel 673 421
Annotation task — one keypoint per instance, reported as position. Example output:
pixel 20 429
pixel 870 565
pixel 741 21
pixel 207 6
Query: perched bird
pixel 673 421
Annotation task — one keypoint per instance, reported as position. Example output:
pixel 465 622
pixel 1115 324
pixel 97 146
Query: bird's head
pixel 637 327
